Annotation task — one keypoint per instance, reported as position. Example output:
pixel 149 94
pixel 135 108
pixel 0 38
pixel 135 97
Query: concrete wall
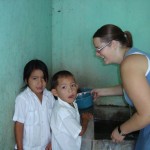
pixel 25 34
pixel 62 38
pixel 73 25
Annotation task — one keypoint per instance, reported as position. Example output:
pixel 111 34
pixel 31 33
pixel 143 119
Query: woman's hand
pixel 96 93
pixel 111 91
pixel 116 136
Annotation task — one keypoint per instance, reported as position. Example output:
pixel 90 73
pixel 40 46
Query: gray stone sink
pixel 107 117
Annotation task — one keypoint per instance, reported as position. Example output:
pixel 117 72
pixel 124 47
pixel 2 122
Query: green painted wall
pixel 25 34
pixel 73 25
pixel 63 40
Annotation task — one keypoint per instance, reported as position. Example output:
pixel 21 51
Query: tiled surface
pixel 109 145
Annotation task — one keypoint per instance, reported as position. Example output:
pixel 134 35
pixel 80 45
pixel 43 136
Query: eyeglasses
pixel 99 49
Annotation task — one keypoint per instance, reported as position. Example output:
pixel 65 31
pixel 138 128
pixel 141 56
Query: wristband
pixel 119 130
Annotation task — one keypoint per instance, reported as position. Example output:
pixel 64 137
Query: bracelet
pixel 119 130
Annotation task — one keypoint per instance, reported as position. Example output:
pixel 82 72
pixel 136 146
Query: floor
pixel 88 142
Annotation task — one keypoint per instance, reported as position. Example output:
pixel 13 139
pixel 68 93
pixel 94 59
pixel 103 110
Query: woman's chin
pixel 106 62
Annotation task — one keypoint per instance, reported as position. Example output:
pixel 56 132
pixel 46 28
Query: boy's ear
pixel 54 92
pixel 26 81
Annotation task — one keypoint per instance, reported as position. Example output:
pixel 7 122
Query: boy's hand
pixel 48 147
pixel 86 116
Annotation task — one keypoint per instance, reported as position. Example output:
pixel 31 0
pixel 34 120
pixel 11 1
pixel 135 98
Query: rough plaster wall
pixel 73 25
pixel 25 34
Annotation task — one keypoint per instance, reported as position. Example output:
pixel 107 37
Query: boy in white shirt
pixel 65 120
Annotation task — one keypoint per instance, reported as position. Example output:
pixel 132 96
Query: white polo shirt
pixel 36 118
pixel 65 125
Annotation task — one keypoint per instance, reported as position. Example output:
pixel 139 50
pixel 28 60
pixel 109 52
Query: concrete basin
pixel 107 117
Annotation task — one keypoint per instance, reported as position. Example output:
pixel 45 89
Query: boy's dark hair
pixel 56 76
pixel 34 65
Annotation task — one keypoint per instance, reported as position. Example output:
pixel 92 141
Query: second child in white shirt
pixel 66 123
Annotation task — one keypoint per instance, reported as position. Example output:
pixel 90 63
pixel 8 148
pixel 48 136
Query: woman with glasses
pixel 115 46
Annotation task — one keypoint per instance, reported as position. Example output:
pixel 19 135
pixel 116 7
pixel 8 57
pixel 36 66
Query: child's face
pixel 36 82
pixel 66 89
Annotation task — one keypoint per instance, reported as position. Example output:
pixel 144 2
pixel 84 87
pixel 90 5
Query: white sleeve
pixel 20 109
pixel 148 69
pixel 73 126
